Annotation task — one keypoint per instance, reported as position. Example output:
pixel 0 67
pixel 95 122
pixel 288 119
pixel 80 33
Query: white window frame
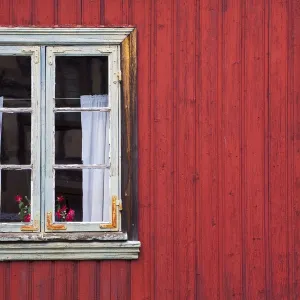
pixel 34 53
pixel 112 52
pixel 77 241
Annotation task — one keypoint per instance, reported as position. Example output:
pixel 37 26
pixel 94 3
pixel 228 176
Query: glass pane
pixel 15 81
pixel 15 188
pixel 79 76
pixel 82 138
pixel 15 138
pixel 85 193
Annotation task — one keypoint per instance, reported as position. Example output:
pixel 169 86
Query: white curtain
pixel 95 150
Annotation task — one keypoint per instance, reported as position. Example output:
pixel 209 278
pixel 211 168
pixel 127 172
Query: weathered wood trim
pixel 129 134
pixel 32 227
pixel 115 208
pixel 63 236
pixel 63 36
pixel 69 251
pixel 51 226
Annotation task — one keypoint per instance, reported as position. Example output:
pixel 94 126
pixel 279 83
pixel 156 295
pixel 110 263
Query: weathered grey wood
pixel 65 36
pixel 15 167
pixel 55 236
pixel 77 166
pixel 69 251
pixel 15 110
pixel 74 109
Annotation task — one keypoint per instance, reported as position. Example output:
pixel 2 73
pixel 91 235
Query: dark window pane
pixel 84 191
pixel 79 75
pixel 13 183
pixel 15 81
pixel 15 137
pixel 81 137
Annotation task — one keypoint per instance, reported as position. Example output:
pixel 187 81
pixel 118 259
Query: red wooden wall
pixel 219 153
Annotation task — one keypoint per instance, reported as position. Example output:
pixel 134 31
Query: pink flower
pixel 60 198
pixel 18 198
pixel 27 218
pixel 70 215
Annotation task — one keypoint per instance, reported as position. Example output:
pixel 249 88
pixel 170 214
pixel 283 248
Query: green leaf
pixel 21 204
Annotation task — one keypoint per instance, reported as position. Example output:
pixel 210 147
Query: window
pixel 68 157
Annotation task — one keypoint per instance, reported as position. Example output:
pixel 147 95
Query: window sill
pixel 69 250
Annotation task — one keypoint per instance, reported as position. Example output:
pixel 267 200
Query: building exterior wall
pixel 219 152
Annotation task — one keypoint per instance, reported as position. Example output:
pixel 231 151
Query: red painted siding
pixel 219 158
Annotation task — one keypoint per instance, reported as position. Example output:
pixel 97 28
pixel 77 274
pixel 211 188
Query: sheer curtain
pixel 95 150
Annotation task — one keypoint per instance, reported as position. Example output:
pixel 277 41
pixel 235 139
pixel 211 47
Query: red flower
pixel 60 198
pixel 57 214
pixel 27 218
pixel 70 215
pixel 18 198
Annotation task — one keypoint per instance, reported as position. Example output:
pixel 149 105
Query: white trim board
pixel 62 36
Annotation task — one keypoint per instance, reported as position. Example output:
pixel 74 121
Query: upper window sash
pixel 34 166
pixel 113 109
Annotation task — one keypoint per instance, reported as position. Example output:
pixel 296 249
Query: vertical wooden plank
pixel 69 12
pixel 291 154
pixel 207 130
pixel 5 12
pixel 4 280
pixel 163 104
pixel 104 283
pixel 120 280
pixel 278 150
pixel 20 281
pixel 44 13
pixel 231 137
pixel 65 280
pixel 113 12
pixel 294 164
pixel 91 12
pixel 21 12
pixel 42 281
pixel 255 107
pixel 142 275
pixel 184 155
pixel 87 280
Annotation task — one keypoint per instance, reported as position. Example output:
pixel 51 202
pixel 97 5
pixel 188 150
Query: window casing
pixel 44 46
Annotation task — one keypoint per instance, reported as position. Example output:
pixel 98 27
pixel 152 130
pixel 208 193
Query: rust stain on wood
pixel 33 227
pixel 114 218
pixel 128 58
pixel 51 226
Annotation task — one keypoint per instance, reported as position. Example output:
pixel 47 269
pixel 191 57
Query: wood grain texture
pixel 163 104
pixel 87 289
pixel 5 280
pixel 185 176
pixel 255 104
pixel 5 12
pixel 21 12
pixel 42 280
pixel 142 273
pixel 278 171
pixel 68 12
pixel 208 98
pixel 218 131
pixel 65 280
pixel 231 161
pixel 91 12
pixel 294 154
